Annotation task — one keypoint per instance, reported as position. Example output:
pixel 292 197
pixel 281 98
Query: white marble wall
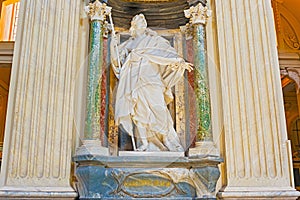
pixel 38 138
pixel 257 150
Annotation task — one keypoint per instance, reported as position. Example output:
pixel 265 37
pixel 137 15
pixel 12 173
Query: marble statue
pixel 150 67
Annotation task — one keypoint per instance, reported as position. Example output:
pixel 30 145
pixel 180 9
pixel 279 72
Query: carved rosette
pixel 98 11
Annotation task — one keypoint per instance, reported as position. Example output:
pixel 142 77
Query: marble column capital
pixel 97 10
pixel 198 14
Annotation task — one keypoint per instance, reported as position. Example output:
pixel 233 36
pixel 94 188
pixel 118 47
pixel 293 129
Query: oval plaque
pixel 147 185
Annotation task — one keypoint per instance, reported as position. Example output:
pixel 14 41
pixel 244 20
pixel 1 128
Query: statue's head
pixel 138 25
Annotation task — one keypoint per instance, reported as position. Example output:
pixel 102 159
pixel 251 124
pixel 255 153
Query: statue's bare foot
pixel 142 147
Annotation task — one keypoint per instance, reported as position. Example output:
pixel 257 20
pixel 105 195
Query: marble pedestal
pixel 146 177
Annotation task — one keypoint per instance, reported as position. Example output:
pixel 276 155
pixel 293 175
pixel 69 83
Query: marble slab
pixel 158 154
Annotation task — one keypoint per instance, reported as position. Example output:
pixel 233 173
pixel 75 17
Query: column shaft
pixel 38 137
pixel 204 132
pixel 199 15
pixel 92 123
pixel 91 143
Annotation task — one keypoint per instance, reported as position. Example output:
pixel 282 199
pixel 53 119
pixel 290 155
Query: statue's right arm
pixel 114 52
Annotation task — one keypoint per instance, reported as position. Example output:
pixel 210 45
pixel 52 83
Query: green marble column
pixel 204 132
pixel 91 143
pixel 93 101
pixel 97 11
pixel 198 16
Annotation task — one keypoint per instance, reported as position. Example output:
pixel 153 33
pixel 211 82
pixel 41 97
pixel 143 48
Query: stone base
pixel 37 193
pixel 92 147
pixel 204 149
pixel 261 193
pixel 152 154
pixel 146 177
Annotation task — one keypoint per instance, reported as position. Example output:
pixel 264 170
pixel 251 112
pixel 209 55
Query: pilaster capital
pixel 198 14
pixel 97 10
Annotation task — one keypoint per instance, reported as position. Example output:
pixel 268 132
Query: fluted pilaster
pixel 38 137
pixel 258 157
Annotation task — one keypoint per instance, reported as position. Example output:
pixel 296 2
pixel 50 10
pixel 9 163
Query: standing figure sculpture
pixel 150 68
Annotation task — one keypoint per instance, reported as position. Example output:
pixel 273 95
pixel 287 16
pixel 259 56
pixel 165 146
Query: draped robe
pixel 150 68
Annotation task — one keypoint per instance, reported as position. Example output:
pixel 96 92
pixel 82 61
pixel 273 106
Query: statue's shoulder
pixel 154 35
pixel 150 32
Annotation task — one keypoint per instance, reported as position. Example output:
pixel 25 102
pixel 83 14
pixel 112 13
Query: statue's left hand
pixel 188 66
